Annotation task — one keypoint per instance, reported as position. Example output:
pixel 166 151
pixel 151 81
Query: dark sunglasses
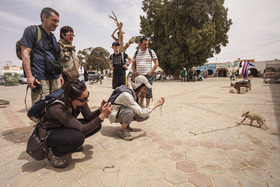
pixel 84 99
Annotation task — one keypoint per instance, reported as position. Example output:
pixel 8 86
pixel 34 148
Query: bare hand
pixel 106 110
pixel 30 82
pixel 150 74
pixel 160 102
pixel 103 102
pixel 135 73
pixel 124 66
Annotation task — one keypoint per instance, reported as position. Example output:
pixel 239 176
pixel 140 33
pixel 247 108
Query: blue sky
pixel 255 32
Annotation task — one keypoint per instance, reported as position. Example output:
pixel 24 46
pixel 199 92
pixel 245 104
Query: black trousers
pixel 64 140
pixel 118 80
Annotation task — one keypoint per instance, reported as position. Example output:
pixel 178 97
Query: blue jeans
pixel 149 94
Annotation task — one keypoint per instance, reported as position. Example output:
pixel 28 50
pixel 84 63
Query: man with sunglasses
pixel 127 109
pixel 35 53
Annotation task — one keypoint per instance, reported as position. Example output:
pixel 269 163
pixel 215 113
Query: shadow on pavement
pixel 33 165
pixel 112 131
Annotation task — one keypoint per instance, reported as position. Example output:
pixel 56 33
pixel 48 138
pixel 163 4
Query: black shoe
pixel 57 161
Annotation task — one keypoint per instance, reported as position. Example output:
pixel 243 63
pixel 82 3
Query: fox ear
pixel 247 112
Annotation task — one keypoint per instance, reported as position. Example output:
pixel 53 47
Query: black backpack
pixel 117 92
pixel 35 42
pixel 37 111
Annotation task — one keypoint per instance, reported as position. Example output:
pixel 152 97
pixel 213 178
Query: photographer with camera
pixel 68 58
pixel 40 57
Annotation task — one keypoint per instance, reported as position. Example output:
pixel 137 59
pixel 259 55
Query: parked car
pixel 22 79
pixel 2 80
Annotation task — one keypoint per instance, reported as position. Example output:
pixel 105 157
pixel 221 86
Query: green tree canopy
pixel 185 33
pixel 96 58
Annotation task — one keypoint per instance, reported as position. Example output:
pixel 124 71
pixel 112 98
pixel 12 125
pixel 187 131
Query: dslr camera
pixel 38 86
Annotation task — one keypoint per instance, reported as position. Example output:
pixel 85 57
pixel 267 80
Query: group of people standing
pixel 67 133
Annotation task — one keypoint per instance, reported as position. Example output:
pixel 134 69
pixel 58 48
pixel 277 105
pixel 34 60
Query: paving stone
pixel 242 147
pixel 50 180
pixel 69 183
pixel 251 182
pixel 167 147
pixel 152 173
pixel 175 177
pixel 232 171
pixel 112 180
pixel 185 185
pixel 225 146
pixel 33 166
pixel 24 180
pixel 71 174
pixel 257 173
pixel 194 157
pixel 207 144
pixel 275 174
pixel 176 156
pixel 90 164
pixel 145 161
pixel 108 156
pixel 275 163
pixel 222 180
pixel 273 183
pixel 202 150
pixel 207 168
pixel 130 169
pixel 16 165
pixel 6 177
pixel 159 154
pixel 214 159
pixel 165 164
pixel 137 182
pixel 259 163
pixel 91 177
pixel 186 166
pixel 199 179
pixel 161 183
pixel 4 160
pixel 220 152
pixel 124 158
pixel 184 148
pixel 237 162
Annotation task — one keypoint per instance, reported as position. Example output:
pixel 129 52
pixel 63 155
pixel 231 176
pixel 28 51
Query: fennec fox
pixel 257 117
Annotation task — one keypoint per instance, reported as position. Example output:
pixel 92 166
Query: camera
pixel 38 86
pixel 54 67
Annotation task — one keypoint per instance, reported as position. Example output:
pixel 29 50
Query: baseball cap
pixel 139 80
pixel 115 44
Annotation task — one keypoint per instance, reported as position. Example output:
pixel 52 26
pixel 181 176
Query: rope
pixel 215 130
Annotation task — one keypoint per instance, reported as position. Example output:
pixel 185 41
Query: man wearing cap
pixel 127 109
pixel 118 65
pixel 145 63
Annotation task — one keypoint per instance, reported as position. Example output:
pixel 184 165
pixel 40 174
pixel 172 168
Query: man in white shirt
pixel 143 65
pixel 127 109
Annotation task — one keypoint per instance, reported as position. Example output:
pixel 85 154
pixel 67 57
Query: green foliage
pixel 185 33
pixel 94 58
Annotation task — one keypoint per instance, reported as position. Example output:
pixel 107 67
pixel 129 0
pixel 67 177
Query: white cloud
pixel 13 19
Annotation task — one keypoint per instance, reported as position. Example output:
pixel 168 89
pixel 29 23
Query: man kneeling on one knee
pixel 126 107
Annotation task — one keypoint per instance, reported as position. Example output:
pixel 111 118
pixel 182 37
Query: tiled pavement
pixel 195 139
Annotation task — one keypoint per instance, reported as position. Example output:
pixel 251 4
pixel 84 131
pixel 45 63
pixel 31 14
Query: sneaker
pixel 57 161
pixel 125 135
pixel 129 128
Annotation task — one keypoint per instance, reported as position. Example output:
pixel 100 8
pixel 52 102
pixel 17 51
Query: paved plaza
pixel 194 139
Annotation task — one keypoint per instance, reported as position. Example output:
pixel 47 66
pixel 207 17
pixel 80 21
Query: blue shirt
pixel 37 58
